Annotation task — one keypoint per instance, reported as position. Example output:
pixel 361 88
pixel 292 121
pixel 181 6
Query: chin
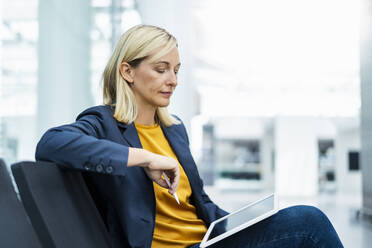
pixel 162 104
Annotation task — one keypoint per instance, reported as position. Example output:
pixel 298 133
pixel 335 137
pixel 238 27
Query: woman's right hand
pixel 154 166
pixel 159 164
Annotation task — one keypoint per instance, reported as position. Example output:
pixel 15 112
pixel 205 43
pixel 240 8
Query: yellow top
pixel 176 225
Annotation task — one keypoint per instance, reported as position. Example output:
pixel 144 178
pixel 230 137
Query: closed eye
pixel 177 69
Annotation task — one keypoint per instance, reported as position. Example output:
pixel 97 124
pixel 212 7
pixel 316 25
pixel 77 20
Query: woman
pixel 125 146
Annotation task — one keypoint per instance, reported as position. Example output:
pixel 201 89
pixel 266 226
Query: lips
pixel 166 93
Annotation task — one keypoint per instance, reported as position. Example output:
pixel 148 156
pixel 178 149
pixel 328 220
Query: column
pixel 1 93
pixel 366 107
pixel 64 87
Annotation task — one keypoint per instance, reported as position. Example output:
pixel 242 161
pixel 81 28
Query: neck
pixel 146 116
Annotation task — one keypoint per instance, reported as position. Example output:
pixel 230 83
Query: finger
pixel 173 189
pixel 161 182
pixel 175 182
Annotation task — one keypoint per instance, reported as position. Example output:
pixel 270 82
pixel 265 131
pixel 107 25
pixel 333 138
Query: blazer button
pixel 109 169
pixel 99 168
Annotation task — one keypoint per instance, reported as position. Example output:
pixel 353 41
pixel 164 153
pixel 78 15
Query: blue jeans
pixel 298 226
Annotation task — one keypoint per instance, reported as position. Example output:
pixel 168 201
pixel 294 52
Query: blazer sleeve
pixel 80 146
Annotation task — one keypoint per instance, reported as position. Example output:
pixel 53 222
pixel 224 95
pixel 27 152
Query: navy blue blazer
pixel 98 145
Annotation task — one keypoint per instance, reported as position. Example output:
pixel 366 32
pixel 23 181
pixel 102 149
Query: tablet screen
pixel 245 217
pixel 250 212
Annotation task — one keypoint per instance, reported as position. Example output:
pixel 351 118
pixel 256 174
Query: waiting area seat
pixel 60 206
pixel 16 230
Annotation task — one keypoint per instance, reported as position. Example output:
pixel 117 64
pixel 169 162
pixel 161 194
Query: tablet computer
pixel 242 218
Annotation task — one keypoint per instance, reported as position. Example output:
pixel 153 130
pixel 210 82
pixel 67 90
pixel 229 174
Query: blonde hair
pixel 135 45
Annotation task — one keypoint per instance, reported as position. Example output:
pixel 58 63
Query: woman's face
pixel 154 82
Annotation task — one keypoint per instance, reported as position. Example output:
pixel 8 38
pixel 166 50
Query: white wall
pixel 348 182
pixel 239 128
pixel 296 171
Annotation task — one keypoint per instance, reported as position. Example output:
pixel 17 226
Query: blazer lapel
pixel 128 131
pixel 130 134
pixel 182 151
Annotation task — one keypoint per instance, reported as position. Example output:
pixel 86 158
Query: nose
pixel 173 79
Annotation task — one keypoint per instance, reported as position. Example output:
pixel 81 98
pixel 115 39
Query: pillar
pixel 64 87
pixel 366 107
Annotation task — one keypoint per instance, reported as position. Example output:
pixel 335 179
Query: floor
pixel 341 210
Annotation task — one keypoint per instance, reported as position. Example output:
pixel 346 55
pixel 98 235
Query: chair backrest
pixel 15 228
pixel 60 206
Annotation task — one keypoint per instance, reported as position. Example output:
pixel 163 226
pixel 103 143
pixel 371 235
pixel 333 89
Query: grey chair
pixel 60 206
pixel 16 230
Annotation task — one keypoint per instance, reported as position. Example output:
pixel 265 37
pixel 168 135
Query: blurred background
pixel 276 94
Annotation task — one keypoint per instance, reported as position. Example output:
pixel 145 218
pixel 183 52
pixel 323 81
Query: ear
pixel 127 72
